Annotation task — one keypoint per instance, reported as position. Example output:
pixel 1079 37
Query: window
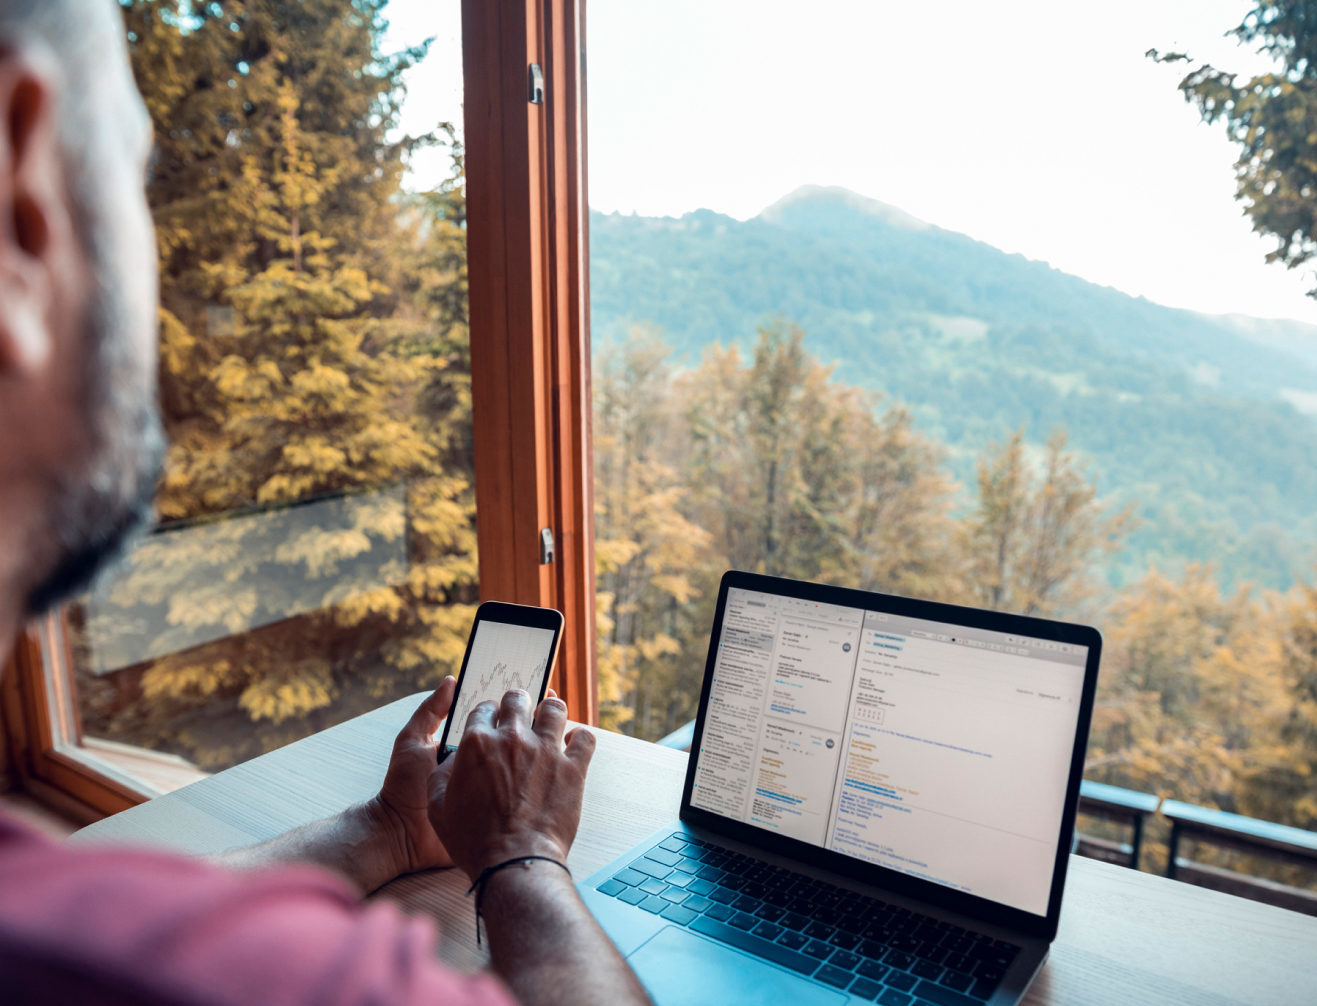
pixel 956 308
pixel 333 425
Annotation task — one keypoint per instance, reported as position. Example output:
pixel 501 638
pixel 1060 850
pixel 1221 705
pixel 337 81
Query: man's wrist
pixel 362 843
pixel 504 891
pixel 514 847
pixel 385 844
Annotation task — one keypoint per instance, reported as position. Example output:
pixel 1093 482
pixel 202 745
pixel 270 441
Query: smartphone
pixel 511 646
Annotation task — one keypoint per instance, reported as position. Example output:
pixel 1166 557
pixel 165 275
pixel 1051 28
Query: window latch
pixel 546 546
pixel 536 84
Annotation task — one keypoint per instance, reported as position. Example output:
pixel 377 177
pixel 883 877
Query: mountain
pixel 1297 338
pixel 819 200
pixel 1208 423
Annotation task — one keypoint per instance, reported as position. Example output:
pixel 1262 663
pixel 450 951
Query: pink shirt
pixel 98 925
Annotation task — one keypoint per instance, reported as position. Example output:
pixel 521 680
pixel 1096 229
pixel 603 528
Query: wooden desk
pixel 1125 937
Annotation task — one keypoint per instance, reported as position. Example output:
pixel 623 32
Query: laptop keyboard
pixel 867 947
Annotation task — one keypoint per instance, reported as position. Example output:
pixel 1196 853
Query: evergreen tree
pixel 314 344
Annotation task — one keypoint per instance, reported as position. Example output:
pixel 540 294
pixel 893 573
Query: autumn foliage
pixel 315 360
pixel 314 346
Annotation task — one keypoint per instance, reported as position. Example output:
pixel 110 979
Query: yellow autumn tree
pixel 1038 533
pixel 797 474
pixel 651 559
pixel 317 554
pixel 764 463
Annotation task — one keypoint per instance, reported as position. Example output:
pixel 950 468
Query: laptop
pixel 879 805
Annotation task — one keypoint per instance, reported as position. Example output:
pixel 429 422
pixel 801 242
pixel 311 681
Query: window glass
pixel 316 551
pixel 963 307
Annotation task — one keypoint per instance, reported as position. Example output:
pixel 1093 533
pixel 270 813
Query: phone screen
pixel 502 656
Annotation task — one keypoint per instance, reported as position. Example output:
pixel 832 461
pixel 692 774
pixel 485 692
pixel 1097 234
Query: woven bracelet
pixel 478 886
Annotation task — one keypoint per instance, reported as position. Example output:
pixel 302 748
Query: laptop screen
pixel 934 749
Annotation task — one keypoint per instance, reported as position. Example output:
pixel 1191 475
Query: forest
pixel 1194 419
pixel 313 348
pixel 765 461
pixel 315 361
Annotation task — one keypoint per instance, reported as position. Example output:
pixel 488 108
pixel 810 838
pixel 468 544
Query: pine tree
pixel 314 347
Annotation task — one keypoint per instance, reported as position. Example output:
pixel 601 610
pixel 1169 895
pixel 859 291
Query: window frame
pixel 527 265
pixel 41 719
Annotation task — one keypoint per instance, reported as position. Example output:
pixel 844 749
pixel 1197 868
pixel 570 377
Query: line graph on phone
pixel 503 657
pixel 503 678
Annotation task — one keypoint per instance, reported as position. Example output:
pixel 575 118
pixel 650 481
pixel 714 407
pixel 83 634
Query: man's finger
pixel 483 715
pixel 580 747
pixel 430 713
pixel 439 782
pixel 551 719
pixel 514 712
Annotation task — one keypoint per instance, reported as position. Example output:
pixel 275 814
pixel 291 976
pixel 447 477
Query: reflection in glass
pixel 316 555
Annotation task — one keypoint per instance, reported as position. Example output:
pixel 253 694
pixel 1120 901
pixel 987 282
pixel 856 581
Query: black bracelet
pixel 478 886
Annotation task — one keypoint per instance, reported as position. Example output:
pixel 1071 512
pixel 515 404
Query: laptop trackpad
pixel 680 967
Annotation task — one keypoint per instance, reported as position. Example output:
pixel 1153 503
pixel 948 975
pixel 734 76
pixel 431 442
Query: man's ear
pixel 32 199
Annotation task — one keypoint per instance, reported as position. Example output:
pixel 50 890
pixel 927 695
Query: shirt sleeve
pixel 149 927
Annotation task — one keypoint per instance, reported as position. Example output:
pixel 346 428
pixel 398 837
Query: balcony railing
pixel 1125 807
pixel 1193 826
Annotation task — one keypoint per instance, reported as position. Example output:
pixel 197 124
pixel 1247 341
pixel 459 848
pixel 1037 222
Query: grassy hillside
pixel 1202 420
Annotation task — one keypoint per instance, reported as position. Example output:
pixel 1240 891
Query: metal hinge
pixel 536 84
pixel 546 546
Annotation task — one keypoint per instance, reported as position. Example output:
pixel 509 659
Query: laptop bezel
pixel 990 912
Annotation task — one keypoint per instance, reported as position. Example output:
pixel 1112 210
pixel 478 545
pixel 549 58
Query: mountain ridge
pixel 887 212
pixel 1193 416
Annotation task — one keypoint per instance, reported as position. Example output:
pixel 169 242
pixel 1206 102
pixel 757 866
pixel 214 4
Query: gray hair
pixel 78 33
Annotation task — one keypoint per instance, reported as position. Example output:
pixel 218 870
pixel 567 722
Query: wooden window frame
pixel 527 263
pixel 44 727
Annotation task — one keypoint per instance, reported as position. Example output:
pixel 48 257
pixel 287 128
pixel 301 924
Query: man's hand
pixel 512 789
pixel 390 834
pixel 402 806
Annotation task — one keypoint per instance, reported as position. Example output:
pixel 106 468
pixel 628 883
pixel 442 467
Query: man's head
pixel 80 445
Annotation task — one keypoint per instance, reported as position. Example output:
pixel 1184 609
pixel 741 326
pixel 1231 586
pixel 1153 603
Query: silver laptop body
pixel 878 806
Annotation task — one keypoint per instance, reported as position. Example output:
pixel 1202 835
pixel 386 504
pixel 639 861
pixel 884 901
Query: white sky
pixel 1038 126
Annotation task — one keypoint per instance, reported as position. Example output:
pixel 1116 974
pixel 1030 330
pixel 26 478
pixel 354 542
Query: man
pixel 79 452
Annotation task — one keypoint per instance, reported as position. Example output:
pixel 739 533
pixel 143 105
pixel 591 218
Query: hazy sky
pixel 1038 126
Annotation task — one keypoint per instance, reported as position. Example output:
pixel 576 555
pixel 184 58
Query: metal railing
pixel 1277 843
pixel 1126 807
